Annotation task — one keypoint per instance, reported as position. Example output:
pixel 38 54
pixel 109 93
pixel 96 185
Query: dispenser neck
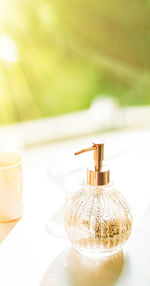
pixel 98 157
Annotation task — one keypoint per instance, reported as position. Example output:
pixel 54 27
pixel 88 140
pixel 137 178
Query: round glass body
pixel 98 220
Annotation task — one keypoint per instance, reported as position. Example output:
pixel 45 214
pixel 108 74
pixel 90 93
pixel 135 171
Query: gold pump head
pixel 100 176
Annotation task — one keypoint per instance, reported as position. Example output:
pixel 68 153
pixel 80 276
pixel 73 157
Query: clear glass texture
pixel 10 187
pixel 98 220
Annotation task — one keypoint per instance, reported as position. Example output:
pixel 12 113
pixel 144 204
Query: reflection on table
pixel 71 268
pixel 5 228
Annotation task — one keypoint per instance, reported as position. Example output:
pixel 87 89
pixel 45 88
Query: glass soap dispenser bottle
pixel 98 219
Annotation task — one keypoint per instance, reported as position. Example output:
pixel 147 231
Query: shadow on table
pixel 73 269
pixel 5 228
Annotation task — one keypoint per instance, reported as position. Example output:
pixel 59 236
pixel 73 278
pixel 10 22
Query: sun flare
pixel 8 49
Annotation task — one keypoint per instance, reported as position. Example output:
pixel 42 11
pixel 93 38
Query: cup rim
pixel 13 165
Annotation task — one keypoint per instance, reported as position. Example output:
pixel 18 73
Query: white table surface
pixel 28 251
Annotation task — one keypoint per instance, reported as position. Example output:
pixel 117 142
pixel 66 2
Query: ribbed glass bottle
pixel 98 220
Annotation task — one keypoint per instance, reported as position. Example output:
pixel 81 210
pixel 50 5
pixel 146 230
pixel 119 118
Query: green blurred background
pixel 56 56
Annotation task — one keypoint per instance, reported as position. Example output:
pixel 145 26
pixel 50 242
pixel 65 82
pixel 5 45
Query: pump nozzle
pixel 98 176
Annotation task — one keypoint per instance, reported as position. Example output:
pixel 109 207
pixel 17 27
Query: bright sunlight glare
pixel 8 49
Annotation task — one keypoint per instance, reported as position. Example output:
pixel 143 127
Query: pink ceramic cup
pixel 11 182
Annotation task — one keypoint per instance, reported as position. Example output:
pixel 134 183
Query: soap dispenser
pixel 98 219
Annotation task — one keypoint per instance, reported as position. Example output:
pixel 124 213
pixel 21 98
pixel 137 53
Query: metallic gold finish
pixel 85 150
pixel 99 176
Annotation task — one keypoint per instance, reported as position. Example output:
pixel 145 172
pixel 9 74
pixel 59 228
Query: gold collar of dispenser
pixel 100 176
